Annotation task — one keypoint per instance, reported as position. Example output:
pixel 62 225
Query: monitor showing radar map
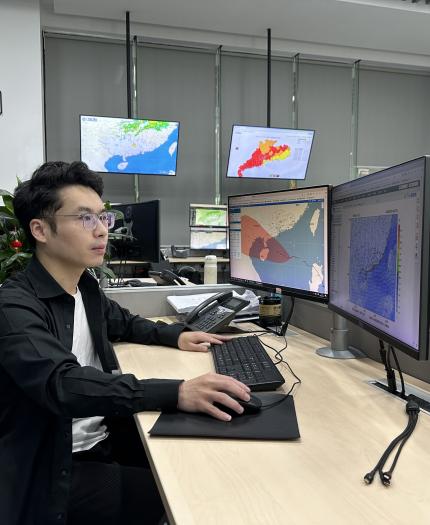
pixel 269 153
pixel 279 241
pixel 129 146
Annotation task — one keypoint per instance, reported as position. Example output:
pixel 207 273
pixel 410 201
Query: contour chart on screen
pixel 374 264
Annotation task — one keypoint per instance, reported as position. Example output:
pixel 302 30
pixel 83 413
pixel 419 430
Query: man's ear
pixel 39 229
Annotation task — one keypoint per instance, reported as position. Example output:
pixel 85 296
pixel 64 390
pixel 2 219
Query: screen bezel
pixel 285 290
pixel 267 178
pixel 129 173
pixel 423 330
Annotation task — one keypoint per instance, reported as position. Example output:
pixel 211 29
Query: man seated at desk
pixel 60 459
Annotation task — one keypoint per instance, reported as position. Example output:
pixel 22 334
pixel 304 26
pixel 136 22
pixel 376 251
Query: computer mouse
pixel 249 407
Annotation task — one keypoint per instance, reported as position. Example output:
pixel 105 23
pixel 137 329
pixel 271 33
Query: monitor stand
pixel 339 348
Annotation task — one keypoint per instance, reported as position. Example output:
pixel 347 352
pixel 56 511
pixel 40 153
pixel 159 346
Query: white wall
pixel 21 124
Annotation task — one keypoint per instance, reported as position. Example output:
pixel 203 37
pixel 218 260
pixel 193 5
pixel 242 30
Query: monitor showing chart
pixel 129 146
pixel 208 215
pixel 279 241
pixel 208 239
pixel 379 254
pixel 269 153
pixel 208 227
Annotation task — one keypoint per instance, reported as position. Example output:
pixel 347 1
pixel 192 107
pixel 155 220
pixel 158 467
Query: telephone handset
pixel 165 277
pixel 215 313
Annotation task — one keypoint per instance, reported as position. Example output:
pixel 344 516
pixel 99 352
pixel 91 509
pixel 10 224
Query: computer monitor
pixel 208 238
pixel 208 215
pixel 129 146
pixel 208 227
pixel 269 153
pixel 142 223
pixel 379 254
pixel 279 241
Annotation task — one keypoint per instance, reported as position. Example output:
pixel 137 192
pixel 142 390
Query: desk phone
pixel 215 313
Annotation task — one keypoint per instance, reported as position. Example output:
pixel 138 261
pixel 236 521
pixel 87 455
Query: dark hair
pixel 39 196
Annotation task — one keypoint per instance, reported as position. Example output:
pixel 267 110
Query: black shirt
pixel 42 386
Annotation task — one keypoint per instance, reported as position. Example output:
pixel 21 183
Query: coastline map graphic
pixel 289 250
pixel 374 264
pixel 269 153
pixel 211 217
pixel 116 145
pixel 266 152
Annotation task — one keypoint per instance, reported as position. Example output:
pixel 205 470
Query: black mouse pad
pixel 278 422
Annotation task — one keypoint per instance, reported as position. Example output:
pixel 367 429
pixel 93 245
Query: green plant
pixel 15 250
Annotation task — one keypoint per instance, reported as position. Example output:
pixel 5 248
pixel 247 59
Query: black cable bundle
pixel 412 409
pixel 284 327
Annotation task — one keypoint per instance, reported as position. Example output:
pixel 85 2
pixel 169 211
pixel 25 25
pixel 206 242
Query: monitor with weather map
pixel 208 238
pixel 269 153
pixel 208 215
pixel 129 146
pixel 279 241
pixel 379 254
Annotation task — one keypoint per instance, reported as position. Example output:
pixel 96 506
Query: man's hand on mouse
pixel 199 394
pixel 199 341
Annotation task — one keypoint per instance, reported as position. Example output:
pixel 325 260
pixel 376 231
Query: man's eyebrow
pixel 85 209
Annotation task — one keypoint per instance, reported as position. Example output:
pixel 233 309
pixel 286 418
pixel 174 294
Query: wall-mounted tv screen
pixel 130 146
pixel 269 153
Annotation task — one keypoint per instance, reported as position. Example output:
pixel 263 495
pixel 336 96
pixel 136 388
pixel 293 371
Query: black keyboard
pixel 245 359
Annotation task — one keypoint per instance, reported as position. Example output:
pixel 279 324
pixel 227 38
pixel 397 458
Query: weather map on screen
pixel 373 263
pixel 208 215
pixel 132 146
pixel 269 153
pixel 280 239
pixel 379 254
pixel 208 239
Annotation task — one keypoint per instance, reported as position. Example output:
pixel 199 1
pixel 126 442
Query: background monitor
pixel 379 251
pixel 131 146
pixel 279 241
pixel 269 153
pixel 208 238
pixel 142 221
pixel 208 215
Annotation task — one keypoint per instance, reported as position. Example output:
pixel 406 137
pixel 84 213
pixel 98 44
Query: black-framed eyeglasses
pixel 90 220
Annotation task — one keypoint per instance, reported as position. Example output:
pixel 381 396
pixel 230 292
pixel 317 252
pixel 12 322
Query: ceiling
pixel 388 25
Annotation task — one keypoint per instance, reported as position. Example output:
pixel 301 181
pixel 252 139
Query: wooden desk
pixel 345 426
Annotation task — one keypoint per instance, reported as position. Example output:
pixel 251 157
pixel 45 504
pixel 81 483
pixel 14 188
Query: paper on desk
pixel 185 303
